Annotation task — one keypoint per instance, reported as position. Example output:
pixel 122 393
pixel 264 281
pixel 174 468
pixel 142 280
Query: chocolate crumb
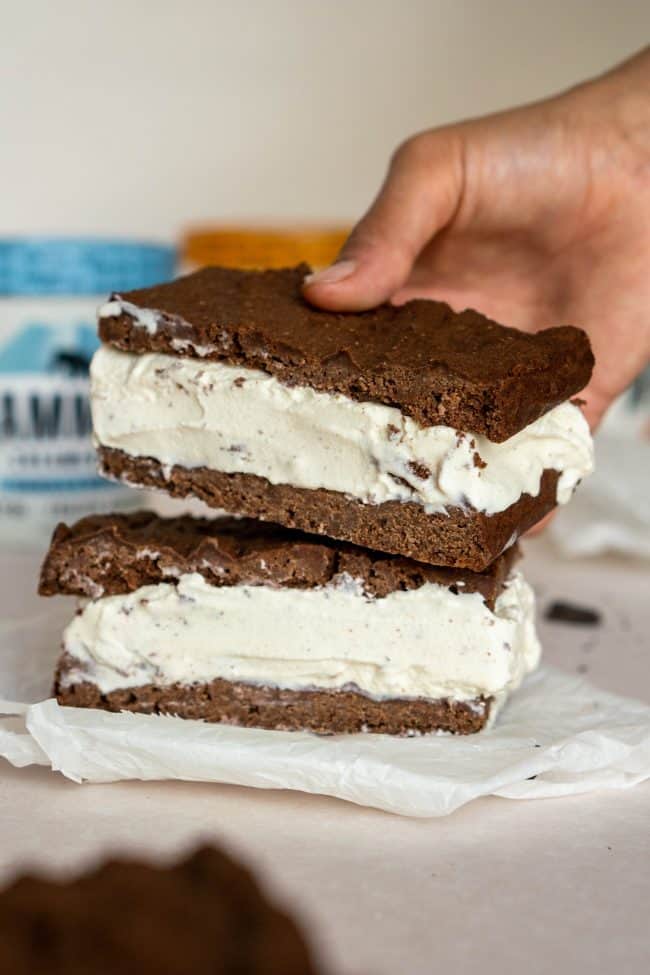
pixel 420 470
pixel 565 612
pixel 400 480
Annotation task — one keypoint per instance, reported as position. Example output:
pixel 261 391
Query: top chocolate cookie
pixel 437 366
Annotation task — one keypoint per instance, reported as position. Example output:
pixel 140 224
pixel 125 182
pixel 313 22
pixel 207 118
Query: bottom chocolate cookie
pixel 458 537
pixel 249 706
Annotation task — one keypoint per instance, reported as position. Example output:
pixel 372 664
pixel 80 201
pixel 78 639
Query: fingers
pixel 596 403
pixel 541 525
pixel 419 196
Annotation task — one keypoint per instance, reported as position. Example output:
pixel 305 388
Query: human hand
pixel 537 216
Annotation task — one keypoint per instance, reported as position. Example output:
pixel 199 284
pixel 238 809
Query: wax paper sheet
pixel 557 736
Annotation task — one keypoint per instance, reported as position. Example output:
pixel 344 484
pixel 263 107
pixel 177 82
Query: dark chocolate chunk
pixel 564 612
pixel 435 365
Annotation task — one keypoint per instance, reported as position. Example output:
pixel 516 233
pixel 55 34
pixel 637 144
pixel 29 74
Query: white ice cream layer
pixel 199 413
pixel 426 642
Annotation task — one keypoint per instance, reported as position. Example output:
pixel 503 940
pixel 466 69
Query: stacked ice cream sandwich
pixel 385 462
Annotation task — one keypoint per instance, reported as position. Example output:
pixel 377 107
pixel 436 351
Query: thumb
pixel 419 197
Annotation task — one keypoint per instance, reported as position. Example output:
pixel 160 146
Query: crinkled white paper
pixel 557 736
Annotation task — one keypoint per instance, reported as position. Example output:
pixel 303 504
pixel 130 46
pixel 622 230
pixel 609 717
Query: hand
pixel 538 216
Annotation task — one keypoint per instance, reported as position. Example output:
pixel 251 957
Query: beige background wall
pixel 140 115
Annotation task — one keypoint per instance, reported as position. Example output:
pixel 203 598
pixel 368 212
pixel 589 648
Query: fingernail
pixel 332 274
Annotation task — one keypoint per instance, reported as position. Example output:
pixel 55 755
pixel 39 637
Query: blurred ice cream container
pixel 49 292
pixel 256 247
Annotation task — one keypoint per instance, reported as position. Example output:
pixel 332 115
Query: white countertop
pixel 543 886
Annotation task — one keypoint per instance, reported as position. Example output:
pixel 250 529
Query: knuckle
pixel 367 235
pixel 414 152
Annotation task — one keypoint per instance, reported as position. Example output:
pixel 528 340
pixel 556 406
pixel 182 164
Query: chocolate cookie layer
pixel 460 538
pixel 437 366
pixel 250 706
pixel 105 555
pixel 205 915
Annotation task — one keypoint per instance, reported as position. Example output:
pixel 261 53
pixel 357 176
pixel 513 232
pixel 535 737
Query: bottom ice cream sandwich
pixel 240 622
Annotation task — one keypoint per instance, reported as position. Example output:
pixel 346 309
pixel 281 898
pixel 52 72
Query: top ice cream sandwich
pixel 414 430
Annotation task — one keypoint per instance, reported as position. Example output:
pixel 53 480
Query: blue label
pixel 81 266
pixel 39 347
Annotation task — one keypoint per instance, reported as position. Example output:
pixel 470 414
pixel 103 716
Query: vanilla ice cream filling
pixel 421 643
pixel 202 413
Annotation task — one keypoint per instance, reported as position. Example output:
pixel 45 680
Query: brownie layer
pixel 459 538
pixel 250 706
pixel 205 915
pixel 104 555
pixel 437 366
